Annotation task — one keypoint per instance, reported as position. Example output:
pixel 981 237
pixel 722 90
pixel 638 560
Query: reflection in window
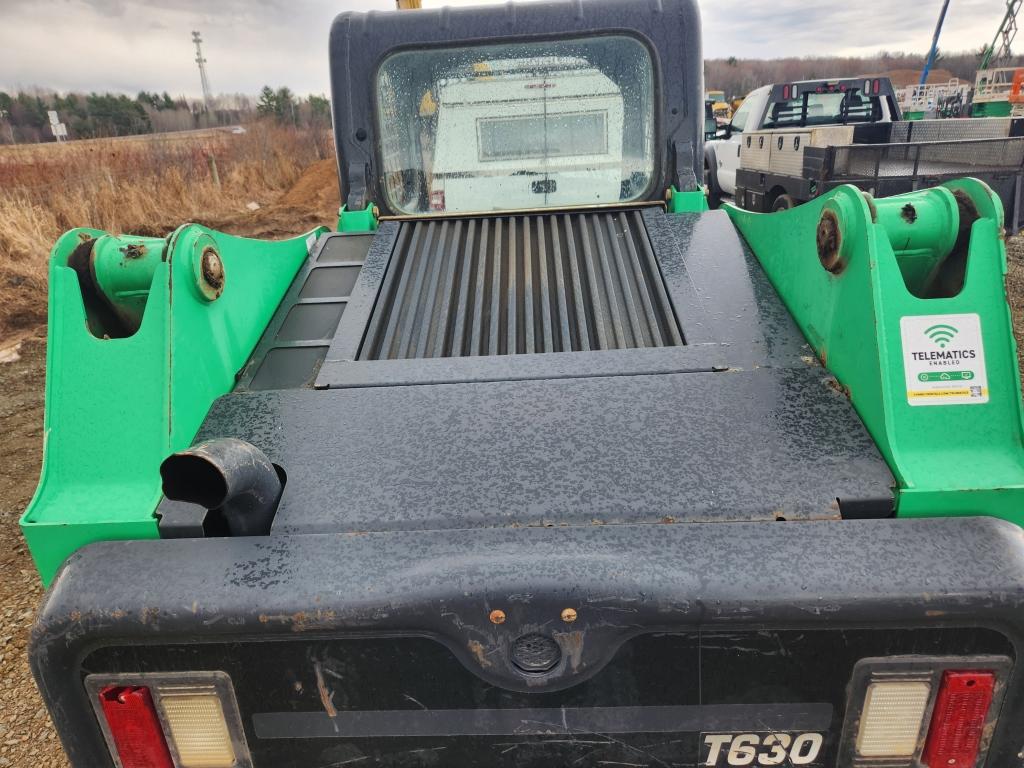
pixel 517 125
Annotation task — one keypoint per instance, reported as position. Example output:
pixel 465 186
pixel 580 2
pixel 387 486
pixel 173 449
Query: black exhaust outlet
pixel 231 478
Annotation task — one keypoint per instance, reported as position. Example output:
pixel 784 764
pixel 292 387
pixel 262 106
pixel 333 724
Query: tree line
pixel 737 77
pixel 24 118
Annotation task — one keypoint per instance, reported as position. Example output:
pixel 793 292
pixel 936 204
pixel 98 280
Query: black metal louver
pixel 521 285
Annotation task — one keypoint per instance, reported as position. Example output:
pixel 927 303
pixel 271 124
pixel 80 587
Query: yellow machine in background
pixel 719 106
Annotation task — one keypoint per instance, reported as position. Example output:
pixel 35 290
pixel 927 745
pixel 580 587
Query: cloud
pixel 815 27
pixel 131 45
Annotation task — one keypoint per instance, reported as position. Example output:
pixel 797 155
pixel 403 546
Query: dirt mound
pixel 316 189
pixel 904 77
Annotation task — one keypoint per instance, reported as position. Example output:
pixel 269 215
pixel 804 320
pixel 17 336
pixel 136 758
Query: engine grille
pixel 521 285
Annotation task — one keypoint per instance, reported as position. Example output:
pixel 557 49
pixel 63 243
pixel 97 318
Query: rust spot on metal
pixel 497 616
pixel 301 621
pixel 830 241
pixel 572 647
pixel 569 615
pixel 477 649
pixel 834 384
pixel 134 251
pixel 326 697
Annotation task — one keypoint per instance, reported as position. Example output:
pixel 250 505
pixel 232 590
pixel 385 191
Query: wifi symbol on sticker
pixel 941 334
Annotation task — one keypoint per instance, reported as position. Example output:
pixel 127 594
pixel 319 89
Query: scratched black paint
pixel 407 674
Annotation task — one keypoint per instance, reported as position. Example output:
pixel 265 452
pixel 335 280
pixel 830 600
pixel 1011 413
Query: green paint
pixel 991 109
pixel 358 221
pixel 687 202
pixel 124 268
pixel 948 459
pixel 116 407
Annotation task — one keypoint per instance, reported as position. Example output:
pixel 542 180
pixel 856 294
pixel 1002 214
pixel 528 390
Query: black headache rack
pixel 537 646
pixel 868 86
pixel 863 99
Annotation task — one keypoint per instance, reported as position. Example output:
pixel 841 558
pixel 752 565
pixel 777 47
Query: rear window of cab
pixel 516 125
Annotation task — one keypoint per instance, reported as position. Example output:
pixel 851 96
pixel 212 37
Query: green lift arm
pixel 144 333
pixel 904 300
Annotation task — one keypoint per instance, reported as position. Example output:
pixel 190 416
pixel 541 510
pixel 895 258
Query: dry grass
pixel 138 187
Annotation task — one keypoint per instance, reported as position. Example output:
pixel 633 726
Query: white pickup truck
pixel 801 105
pixel 790 143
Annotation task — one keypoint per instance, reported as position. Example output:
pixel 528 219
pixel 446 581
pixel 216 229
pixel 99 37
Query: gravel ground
pixel 27 737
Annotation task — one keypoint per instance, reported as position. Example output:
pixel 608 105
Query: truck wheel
pixel 784 203
pixel 711 184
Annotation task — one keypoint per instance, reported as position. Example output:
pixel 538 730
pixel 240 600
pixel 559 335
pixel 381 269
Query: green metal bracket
pixel 120 398
pixel 934 379
pixel 358 221
pixel 687 202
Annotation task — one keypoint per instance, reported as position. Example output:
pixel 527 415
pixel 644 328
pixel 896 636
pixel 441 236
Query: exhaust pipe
pixel 230 478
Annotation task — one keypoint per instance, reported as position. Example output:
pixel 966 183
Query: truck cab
pixel 796 105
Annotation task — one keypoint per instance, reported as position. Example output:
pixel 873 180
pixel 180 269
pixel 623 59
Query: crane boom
pixel 1004 37
pixel 933 51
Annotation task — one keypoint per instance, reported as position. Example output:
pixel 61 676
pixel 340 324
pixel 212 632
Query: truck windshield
pixel 516 126
pixel 824 109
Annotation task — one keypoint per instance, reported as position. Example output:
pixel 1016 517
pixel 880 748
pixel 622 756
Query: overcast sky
pixel 130 45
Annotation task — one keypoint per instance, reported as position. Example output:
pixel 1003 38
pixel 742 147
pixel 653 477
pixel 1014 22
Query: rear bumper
pixel 622 581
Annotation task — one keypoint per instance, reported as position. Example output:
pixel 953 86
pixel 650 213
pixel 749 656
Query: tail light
pixel 890 722
pixel 135 727
pixel 172 720
pixel 958 720
pixel 921 712
pixel 437 200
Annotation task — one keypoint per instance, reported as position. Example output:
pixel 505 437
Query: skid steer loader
pixel 574 472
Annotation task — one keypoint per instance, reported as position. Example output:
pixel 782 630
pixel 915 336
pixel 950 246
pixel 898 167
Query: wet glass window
pixel 516 126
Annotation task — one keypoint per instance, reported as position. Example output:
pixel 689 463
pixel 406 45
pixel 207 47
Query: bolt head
pixel 211 274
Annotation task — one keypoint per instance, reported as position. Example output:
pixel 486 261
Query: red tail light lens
pixel 135 727
pixel 437 200
pixel 958 719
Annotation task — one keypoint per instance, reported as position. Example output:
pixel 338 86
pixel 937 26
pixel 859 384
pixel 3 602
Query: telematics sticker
pixel 944 360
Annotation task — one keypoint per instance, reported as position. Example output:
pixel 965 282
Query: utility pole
pixel 207 94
